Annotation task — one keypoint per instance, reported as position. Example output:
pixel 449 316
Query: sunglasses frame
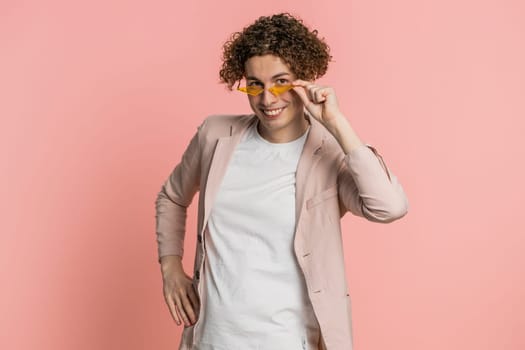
pixel 276 90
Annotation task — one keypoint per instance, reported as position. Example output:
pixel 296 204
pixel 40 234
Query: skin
pixel 179 294
pixel 320 102
pixel 290 124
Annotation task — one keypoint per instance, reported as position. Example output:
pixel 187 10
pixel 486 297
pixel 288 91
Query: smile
pixel 272 112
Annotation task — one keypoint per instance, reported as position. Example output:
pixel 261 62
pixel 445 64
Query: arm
pixel 173 199
pixel 366 187
pixel 171 205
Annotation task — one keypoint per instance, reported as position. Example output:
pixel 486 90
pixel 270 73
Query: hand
pixel 320 102
pixel 179 293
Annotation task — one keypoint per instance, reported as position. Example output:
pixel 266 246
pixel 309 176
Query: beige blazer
pixel 328 184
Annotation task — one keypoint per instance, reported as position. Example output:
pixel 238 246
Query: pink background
pixel 98 100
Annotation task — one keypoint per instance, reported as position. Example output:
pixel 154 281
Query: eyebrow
pixel 274 77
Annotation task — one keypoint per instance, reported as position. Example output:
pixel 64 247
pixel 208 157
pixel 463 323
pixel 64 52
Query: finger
pixel 303 83
pixel 172 308
pixel 320 95
pixel 315 93
pixel 303 95
pixel 194 300
pixel 188 308
pixel 181 310
pixel 312 92
pixel 304 90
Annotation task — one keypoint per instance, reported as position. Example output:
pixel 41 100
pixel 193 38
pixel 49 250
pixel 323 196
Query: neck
pixel 293 132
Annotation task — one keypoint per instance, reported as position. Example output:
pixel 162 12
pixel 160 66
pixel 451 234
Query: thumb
pixel 302 94
pixel 300 89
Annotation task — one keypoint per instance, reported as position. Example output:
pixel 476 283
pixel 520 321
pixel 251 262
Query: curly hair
pixel 281 35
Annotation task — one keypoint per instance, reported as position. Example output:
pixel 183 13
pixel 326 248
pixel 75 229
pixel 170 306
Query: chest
pixel 258 187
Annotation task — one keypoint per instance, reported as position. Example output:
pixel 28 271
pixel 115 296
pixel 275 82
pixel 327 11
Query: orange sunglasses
pixel 255 90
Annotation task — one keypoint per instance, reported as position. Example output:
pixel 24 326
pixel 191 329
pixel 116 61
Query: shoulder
pixel 220 125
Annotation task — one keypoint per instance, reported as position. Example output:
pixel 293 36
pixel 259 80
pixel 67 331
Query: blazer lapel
pixel 221 158
pixel 312 152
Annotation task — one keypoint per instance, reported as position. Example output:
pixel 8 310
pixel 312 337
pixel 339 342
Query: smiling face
pixel 281 118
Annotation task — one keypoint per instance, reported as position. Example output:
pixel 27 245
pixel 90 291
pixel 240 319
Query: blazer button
pixel 199 238
pixel 197 274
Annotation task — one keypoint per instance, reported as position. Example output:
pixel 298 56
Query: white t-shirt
pixel 255 293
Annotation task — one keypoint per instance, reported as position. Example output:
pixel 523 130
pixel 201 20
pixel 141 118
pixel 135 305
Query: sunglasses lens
pixel 280 89
pixel 256 90
pixel 251 90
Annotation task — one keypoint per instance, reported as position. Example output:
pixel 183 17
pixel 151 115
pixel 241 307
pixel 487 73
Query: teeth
pixel 272 111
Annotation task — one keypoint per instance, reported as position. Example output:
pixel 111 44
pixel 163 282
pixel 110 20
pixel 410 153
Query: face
pixel 281 118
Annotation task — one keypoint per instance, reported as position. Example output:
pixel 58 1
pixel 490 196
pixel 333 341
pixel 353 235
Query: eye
pixel 282 81
pixel 254 83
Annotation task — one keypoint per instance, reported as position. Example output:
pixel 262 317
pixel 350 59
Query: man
pixel 269 269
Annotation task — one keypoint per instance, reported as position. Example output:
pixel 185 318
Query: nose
pixel 268 98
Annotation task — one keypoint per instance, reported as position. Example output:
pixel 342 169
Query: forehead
pixel 265 67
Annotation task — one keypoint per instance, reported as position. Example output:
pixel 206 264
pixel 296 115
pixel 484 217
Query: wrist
pixel 170 263
pixel 345 135
pixel 339 126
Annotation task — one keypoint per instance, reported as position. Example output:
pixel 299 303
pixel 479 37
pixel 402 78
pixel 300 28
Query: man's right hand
pixel 179 293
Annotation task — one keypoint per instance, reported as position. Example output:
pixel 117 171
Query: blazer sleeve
pixel 367 188
pixel 174 197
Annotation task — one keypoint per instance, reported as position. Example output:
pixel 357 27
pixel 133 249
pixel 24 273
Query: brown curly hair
pixel 282 35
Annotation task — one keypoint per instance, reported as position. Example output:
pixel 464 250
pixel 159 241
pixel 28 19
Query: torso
pixel 255 293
